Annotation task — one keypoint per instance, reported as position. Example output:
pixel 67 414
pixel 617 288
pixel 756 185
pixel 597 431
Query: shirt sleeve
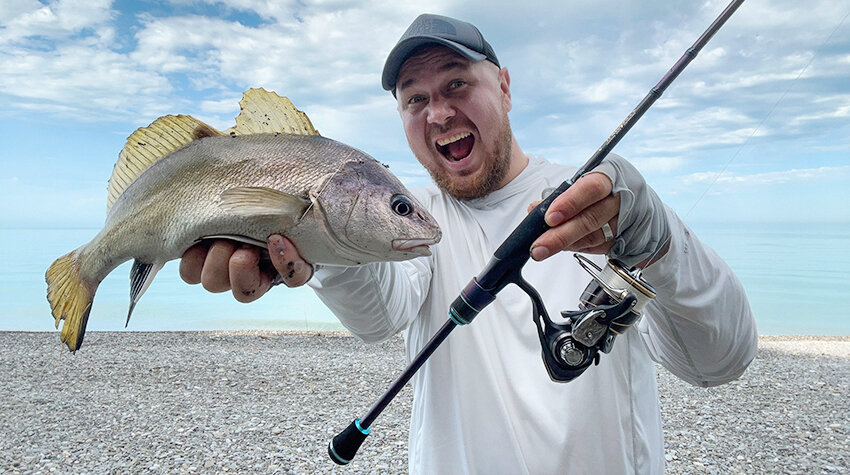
pixel 375 301
pixel 699 326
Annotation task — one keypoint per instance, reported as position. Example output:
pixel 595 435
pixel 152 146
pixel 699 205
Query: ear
pixel 505 86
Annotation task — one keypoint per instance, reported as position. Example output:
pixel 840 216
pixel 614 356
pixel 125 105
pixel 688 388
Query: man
pixel 483 403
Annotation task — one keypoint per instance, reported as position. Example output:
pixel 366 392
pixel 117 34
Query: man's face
pixel 455 117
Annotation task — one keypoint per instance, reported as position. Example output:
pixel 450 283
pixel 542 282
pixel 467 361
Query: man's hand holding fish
pixel 223 265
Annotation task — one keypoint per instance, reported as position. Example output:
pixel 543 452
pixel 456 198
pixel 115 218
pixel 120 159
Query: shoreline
pixel 268 401
pixel 345 333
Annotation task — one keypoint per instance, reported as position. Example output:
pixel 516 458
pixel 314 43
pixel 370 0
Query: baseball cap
pixel 462 37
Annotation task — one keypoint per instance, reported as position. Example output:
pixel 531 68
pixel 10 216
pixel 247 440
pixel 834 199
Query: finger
pixel 215 275
pixel 567 235
pixel 192 263
pixel 247 280
pixel 586 191
pixel 595 240
pixel 533 205
pixel 288 262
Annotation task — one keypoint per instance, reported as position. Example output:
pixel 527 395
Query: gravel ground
pixel 265 402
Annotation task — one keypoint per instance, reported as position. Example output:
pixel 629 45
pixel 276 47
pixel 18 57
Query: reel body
pixel 611 302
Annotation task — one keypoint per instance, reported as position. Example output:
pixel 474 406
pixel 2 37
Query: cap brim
pixel 403 50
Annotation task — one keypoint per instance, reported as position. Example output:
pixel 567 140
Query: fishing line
pixel 769 114
pixel 746 141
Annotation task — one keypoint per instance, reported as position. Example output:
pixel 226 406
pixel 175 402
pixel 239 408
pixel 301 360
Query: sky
pixel 757 129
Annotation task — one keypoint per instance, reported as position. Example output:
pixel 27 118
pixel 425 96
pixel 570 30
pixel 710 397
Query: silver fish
pixel 179 181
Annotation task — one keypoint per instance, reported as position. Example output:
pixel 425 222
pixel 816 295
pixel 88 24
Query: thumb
pixel 294 270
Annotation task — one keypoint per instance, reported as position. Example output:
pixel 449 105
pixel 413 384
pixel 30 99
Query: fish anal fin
pixel 260 201
pixel 141 276
pixel 70 298
pixel 147 145
pixel 265 112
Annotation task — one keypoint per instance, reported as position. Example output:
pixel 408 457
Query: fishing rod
pixel 611 302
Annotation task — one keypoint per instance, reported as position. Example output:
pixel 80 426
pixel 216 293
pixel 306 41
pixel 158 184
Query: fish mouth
pixel 418 246
pixel 456 147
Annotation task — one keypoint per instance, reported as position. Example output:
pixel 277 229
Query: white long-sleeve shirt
pixel 483 402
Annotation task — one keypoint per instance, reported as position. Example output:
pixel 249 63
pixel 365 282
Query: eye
pixel 401 205
pixel 456 84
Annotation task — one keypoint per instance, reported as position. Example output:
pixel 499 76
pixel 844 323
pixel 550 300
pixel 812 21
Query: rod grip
pixel 344 446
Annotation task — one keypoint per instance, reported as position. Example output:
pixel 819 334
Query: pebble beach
pixel 268 402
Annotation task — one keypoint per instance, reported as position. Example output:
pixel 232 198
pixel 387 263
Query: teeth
pixel 453 138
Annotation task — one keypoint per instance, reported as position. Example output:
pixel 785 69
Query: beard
pixel 489 178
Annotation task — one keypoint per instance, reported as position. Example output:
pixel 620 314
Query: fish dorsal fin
pixel 264 112
pixel 148 144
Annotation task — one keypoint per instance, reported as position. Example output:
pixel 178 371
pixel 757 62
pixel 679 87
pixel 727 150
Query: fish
pixel 179 181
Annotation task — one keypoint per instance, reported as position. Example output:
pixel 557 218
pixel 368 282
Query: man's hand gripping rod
pixel 505 267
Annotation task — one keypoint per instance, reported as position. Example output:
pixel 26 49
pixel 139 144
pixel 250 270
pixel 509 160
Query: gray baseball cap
pixel 460 36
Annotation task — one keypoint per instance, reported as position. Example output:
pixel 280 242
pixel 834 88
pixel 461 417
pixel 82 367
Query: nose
pixel 439 111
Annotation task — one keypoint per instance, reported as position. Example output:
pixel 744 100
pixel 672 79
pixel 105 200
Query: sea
pixel 797 277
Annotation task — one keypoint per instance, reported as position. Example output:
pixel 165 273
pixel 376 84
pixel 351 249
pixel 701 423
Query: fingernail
pixel 539 253
pixel 554 219
pixel 277 243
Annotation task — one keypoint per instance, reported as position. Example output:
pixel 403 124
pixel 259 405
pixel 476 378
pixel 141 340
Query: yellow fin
pixel 70 298
pixel 148 144
pixel 264 112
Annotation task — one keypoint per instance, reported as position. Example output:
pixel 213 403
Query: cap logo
pixel 432 26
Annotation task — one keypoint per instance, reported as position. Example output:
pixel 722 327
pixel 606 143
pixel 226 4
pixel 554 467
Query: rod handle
pixel 344 446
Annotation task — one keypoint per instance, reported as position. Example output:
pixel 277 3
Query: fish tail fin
pixel 70 298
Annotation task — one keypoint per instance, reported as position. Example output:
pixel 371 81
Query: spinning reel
pixel 611 302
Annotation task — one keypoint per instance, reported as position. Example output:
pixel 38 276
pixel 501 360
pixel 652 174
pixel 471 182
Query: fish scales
pixel 180 192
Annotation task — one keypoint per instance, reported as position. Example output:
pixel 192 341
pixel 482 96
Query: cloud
pixel 88 83
pixel 207 51
pixel 74 58
pixel 770 178
pixel 831 107
pixel 743 84
pixel 57 20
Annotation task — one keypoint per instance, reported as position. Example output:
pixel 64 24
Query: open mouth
pixel 417 246
pixel 457 147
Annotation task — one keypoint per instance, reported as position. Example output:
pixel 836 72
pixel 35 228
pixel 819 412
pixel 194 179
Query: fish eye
pixel 401 205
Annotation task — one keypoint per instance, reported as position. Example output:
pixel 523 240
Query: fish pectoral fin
pixel 260 201
pixel 141 276
pixel 238 238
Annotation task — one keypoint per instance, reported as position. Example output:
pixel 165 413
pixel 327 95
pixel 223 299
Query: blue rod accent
pixel 362 430
pixel 456 318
